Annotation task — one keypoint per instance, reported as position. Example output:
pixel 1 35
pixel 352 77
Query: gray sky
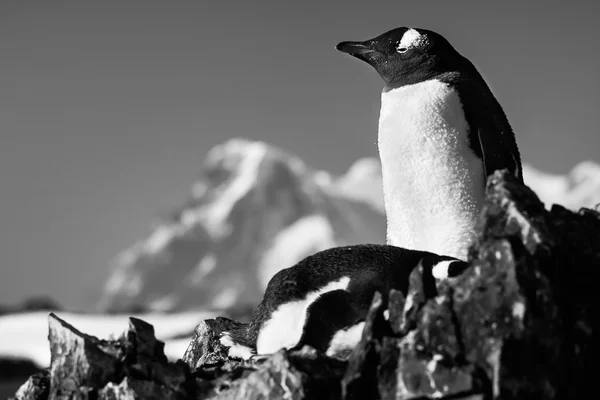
pixel 107 108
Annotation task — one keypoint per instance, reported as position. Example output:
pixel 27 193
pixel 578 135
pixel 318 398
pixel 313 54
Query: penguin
pixel 322 301
pixel 441 134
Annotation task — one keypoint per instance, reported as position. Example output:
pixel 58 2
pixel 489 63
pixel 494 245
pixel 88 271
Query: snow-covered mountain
pixel 579 188
pixel 256 209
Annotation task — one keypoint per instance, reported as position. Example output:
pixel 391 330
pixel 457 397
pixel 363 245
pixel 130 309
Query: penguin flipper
pixel 496 155
pixel 490 135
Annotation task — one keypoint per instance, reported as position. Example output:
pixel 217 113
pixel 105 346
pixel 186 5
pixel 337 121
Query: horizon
pixel 108 109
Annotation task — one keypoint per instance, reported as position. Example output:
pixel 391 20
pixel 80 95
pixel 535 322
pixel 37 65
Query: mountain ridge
pixel 256 209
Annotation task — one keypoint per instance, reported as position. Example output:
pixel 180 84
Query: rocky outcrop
pixel 519 323
pixel 85 367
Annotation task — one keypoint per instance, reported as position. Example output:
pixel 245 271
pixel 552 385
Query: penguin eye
pixel 401 49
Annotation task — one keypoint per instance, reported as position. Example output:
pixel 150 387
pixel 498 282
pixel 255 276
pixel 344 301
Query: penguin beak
pixel 355 49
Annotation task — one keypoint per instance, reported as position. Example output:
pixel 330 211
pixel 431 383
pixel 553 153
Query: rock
pixel 549 351
pixel 205 348
pixel 520 322
pixel 130 389
pixel 360 379
pixel 302 374
pixel 37 387
pixel 80 362
pixel 85 367
pixel 396 304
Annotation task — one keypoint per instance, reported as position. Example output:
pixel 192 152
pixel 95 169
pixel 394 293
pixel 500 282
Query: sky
pixel 107 108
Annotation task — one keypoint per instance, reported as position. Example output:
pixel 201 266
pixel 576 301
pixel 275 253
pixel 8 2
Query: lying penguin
pixel 322 301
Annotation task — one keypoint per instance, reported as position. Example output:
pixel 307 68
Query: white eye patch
pixel 411 38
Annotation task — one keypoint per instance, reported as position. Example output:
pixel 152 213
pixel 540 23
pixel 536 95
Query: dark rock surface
pixel 519 323
pixel 85 367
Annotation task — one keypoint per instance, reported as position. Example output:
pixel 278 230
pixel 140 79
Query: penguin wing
pixel 490 134
pixel 496 153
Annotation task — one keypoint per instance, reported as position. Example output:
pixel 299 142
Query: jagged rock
pixel 302 374
pixel 79 362
pixel 146 360
pixel 360 380
pixel 519 323
pixel 85 367
pixel 396 304
pixel 37 387
pixel 205 348
pixel 556 254
pixel 131 389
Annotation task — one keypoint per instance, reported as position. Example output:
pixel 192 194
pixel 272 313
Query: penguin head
pixel 405 56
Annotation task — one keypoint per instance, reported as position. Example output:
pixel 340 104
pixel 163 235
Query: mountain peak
pixel 249 204
pixel 256 209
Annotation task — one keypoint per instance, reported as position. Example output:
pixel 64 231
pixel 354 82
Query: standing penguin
pixel 441 134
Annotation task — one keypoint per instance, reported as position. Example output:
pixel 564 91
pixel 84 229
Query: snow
pixel 206 265
pixel 362 183
pixel 160 238
pixel 124 281
pixel 25 336
pixel 246 177
pixel 579 188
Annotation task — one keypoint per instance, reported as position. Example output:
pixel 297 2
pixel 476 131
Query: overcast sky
pixel 107 108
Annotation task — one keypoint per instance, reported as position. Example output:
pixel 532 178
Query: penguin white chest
pixel 433 183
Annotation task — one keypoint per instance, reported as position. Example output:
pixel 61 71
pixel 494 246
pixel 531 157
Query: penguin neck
pixel 433 183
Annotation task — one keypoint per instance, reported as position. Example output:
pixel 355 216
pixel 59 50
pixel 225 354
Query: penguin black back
pixel 328 292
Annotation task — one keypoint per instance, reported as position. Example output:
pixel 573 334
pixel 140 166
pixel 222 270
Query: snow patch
pixel 164 303
pixel 25 335
pixel 124 281
pixel 204 267
pixel 579 188
pixel 160 238
pixel 245 179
